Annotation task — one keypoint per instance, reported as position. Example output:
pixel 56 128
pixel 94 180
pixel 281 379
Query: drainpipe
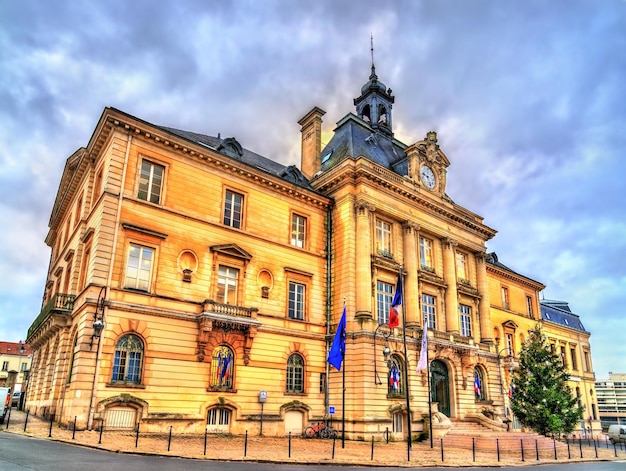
pixel 329 235
pixel 94 386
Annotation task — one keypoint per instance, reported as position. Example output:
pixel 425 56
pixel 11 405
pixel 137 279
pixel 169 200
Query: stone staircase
pixel 465 434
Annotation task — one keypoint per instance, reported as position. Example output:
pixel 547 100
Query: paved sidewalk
pixel 298 450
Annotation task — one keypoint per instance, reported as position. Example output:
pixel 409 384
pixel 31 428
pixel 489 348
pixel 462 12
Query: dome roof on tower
pixel 373 83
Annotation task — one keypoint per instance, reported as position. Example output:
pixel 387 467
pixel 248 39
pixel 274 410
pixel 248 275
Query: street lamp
pixel 385 331
pixel 98 317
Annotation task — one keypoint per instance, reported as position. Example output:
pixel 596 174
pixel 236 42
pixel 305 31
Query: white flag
pixel 422 364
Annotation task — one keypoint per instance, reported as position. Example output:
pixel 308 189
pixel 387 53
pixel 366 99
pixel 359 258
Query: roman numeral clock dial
pixel 428 177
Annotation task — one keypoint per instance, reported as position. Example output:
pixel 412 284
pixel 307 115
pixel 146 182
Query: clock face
pixel 427 176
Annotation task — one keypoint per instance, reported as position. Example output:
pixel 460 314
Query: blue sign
pixel 331 409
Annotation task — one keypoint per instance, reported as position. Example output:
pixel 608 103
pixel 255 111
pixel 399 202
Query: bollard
pixel 169 439
pixel 137 436
pixel 101 427
pixel 50 429
pixel 498 449
pixel 580 446
pixel 441 440
pixel 205 437
pixel 372 453
pixel 569 456
pixel 334 440
pixel 473 449
pixel 74 429
pixel 387 435
pixel 537 448
pixel 245 445
pixel 289 444
pixel 595 447
pixel 615 449
pixel 8 418
pixel 521 445
pixel 554 443
pixel 26 421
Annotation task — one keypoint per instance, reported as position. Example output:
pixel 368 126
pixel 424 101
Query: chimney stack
pixel 311 130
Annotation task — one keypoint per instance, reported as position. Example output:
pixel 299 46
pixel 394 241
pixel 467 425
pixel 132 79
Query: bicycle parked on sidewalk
pixel 320 430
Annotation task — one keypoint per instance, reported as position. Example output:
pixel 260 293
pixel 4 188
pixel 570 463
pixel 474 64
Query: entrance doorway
pixel 440 386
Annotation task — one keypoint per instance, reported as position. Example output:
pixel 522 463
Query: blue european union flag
pixel 338 348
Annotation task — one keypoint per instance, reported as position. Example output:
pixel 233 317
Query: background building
pixel 15 359
pixel 611 396
pixel 195 282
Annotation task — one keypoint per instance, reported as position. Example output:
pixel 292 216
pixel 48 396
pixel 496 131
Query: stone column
pixel 486 329
pixel 411 291
pixel 449 276
pixel 363 260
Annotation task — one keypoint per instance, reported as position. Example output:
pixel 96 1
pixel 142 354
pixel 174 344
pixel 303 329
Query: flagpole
pixel 406 379
pixel 343 393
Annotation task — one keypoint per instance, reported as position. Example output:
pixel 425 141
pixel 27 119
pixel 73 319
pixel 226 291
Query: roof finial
pixel 373 76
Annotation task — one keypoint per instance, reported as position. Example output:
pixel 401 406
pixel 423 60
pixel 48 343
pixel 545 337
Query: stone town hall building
pixel 195 283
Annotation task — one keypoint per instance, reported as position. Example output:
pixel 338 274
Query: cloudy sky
pixel 528 99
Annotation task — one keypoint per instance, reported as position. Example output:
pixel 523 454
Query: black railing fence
pixel 452 449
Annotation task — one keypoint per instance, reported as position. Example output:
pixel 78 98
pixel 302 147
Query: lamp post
pixel 98 327
pixel 385 331
pixel 509 357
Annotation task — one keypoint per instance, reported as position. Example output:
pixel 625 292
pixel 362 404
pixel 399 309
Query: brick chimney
pixel 311 130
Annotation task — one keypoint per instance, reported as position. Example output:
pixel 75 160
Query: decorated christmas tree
pixel 541 398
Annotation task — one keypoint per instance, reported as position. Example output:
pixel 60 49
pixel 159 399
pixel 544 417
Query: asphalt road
pixel 20 453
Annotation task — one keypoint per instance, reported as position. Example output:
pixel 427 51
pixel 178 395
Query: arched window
pixel 479 385
pixel 218 420
pixel 295 374
pixel 365 113
pixel 128 359
pixel 222 368
pixel 395 383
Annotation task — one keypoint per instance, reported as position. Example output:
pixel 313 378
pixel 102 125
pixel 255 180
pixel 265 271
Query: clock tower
pixel 428 165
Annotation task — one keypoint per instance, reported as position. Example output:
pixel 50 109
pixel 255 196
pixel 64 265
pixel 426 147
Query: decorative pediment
pixel 510 324
pixel 231 250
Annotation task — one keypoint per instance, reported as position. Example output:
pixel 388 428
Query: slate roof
pixel 558 312
pixel 231 148
pixel 353 137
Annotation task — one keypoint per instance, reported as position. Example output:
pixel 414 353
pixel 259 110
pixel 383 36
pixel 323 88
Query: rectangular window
pixel 461 268
pixel 563 357
pixel 466 320
pixel 5 366
pixel 529 306
pixel 426 254
pixel 509 344
pixel 505 297
pixel 587 362
pixel 23 367
pixel 298 230
pixel 322 382
pixel 429 311
pixel 227 279
pixel 233 209
pixel 139 267
pixel 150 182
pixel 383 238
pixel 296 300
pixel 572 353
pixel 384 297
